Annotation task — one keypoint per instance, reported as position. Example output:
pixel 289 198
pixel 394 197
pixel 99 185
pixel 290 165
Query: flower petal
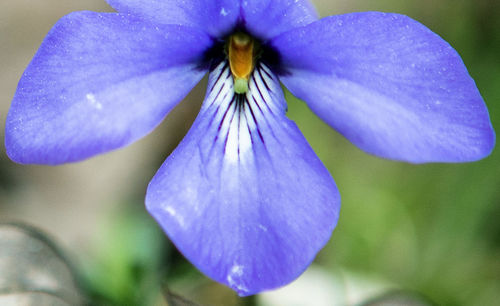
pixel 99 82
pixel 217 17
pixel 267 18
pixel 390 85
pixel 243 196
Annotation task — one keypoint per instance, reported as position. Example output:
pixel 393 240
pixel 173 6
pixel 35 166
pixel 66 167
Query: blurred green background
pixel 432 231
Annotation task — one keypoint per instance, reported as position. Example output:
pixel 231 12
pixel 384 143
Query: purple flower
pixel 243 196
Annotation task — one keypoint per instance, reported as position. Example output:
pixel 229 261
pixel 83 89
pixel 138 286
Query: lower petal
pixel 243 196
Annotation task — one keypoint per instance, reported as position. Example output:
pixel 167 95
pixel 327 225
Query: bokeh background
pixel 426 234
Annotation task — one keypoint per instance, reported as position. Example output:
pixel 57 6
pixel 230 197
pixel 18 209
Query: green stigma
pixel 240 86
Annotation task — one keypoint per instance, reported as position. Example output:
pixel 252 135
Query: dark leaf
pixel 32 269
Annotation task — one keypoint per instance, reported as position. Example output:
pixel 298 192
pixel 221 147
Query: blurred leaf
pixel 176 300
pixel 33 271
pixel 398 298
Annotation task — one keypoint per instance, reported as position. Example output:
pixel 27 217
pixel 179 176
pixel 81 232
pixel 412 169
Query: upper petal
pixel 390 85
pixel 267 18
pixel 243 196
pixel 99 82
pixel 217 17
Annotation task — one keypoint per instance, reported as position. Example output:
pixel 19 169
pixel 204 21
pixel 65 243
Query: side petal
pixel 217 17
pixel 390 85
pixel 97 83
pixel 243 196
pixel 267 18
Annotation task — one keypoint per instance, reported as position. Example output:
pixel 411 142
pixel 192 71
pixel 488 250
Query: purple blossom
pixel 243 196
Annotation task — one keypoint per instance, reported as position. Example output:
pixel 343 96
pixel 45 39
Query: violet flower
pixel 243 196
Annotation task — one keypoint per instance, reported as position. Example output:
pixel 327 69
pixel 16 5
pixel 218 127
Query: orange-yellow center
pixel 241 60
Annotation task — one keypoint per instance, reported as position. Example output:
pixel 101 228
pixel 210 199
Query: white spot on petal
pixel 237 270
pixel 171 211
pixel 93 101
pixel 262 227
pixel 223 12
pixel 233 279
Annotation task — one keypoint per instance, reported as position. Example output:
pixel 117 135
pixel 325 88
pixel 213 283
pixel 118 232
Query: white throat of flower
pixel 241 117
